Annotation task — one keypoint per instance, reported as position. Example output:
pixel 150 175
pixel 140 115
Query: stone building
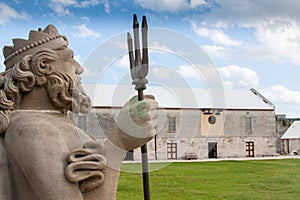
pixel 193 123
pixel 291 139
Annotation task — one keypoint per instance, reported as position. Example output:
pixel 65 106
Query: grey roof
pixel 112 95
pixel 293 131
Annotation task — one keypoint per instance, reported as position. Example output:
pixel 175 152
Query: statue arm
pixel 135 126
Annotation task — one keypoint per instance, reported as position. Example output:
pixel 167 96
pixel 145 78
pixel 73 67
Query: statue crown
pixel 47 38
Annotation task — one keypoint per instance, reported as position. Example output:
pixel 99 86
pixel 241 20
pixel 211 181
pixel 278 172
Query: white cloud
pixel 274 24
pixel 286 101
pixel 85 18
pixel 83 32
pixel 123 62
pixel 64 2
pixel 281 94
pixel 8 13
pixel 214 51
pixel 249 13
pixel 169 5
pixel 163 5
pixel 280 38
pixel 61 7
pixel 217 36
pixel 162 73
pixel 238 77
pixel 106 7
pixel 90 3
pixel 89 73
pixel 189 71
pixel 120 44
pixel 195 3
pixel 86 71
pixel 160 47
pixel 78 58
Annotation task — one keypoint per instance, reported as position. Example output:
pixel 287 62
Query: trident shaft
pixel 139 70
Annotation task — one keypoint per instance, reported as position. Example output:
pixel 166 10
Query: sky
pixel 243 43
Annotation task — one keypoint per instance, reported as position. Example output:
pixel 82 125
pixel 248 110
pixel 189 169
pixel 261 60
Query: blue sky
pixel 251 43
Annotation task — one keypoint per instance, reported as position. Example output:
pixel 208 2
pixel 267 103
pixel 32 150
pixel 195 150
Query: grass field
pixel 262 180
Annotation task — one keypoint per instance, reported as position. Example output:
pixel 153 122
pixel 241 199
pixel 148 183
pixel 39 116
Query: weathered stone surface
pixel 43 155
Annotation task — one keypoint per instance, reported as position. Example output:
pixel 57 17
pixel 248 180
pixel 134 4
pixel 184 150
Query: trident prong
pixel 139 70
pixel 138 65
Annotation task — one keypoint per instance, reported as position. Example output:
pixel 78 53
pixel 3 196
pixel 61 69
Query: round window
pixel 212 119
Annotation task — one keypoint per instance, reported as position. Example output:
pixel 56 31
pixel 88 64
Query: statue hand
pixel 137 121
pixel 85 166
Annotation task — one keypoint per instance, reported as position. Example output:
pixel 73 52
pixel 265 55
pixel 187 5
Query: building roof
pixel 116 96
pixel 293 132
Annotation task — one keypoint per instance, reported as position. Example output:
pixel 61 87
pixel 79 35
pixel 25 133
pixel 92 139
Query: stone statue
pixel 43 154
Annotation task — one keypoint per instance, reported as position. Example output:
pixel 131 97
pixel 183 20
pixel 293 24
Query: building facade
pixel 244 126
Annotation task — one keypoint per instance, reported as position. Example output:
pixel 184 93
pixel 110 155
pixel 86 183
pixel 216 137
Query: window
pixel 250 149
pixel 172 151
pixel 172 124
pixel 248 124
pixel 212 120
pixel 81 122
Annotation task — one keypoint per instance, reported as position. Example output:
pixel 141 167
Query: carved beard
pixel 67 93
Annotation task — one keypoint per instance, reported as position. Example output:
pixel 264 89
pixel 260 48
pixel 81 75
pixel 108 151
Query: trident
pixel 139 71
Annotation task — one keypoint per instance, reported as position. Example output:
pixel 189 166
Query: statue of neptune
pixel 43 155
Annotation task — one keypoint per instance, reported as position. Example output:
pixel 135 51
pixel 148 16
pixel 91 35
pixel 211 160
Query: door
pixel 129 155
pixel 212 150
pixel 250 149
pixel 172 151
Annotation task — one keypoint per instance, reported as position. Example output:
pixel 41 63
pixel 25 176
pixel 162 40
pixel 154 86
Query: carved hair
pixel 33 71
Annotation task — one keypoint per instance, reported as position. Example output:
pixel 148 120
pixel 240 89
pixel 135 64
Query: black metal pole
pixel 139 71
pixel 155 147
pixel 146 181
pixel 145 170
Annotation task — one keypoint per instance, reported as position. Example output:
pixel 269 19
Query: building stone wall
pixel 263 123
pixel 187 122
pixel 282 125
pixel 191 131
pixel 294 146
pixel 227 147
pixel 291 146
pixel 98 122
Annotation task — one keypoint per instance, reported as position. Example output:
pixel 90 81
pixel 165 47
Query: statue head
pixel 43 61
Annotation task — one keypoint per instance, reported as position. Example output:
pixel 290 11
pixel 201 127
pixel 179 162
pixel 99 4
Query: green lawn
pixel 262 180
